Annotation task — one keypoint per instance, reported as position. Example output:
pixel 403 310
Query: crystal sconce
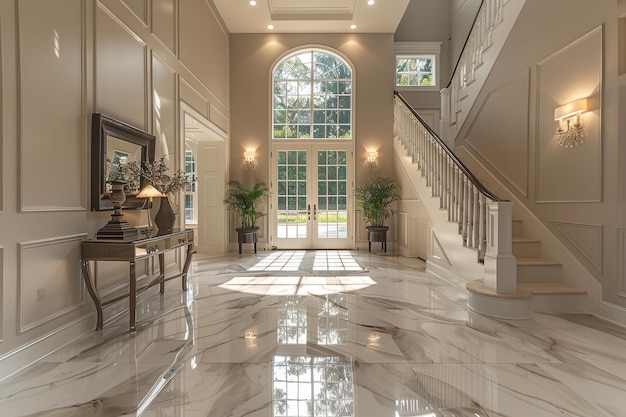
pixel 248 157
pixel 371 159
pixel 571 130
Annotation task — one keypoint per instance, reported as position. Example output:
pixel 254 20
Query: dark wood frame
pixel 102 127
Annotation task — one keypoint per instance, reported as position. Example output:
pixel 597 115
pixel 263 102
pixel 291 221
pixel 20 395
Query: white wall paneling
pixel 499 132
pixel 51 98
pixel 193 98
pixel 218 117
pixel 164 111
pixel 570 175
pixel 203 43
pixel 587 240
pixel 621 267
pixel 139 9
pixel 402 227
pixel 49 278
pixel 164 22
pixel 121 71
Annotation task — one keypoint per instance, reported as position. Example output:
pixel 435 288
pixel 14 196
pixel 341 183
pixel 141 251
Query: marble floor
pixel 325 333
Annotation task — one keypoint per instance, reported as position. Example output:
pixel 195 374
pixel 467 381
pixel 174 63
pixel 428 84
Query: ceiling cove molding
pixel 305 10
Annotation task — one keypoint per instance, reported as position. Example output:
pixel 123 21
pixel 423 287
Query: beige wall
pixel 61 61
pixel 577 193
pixel 252 58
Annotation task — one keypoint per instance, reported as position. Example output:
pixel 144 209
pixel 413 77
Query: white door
pixel 311 196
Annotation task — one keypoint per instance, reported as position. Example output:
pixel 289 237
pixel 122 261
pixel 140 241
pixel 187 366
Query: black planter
pixel 377 234
pixel 247 235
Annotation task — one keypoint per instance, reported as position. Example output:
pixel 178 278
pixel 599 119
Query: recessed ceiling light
pixel 270 27
pixel 253 3
pixel 370 2
pixel 353 27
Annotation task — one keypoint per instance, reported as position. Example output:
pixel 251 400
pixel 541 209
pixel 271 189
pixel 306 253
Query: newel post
pixel 500 265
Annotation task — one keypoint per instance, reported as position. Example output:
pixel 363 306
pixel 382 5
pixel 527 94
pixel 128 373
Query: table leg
pixel 132 297
pixel 190 252
pixel 162 272
pixel 93 292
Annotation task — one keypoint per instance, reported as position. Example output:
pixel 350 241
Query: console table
pixel 131 251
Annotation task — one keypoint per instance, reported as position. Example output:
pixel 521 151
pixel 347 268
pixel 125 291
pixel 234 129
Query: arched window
pixel 312 92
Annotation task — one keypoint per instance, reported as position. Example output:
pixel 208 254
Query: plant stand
pixel 247 235
pixel 377 234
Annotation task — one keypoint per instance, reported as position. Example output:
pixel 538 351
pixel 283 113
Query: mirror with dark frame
pixel 118 150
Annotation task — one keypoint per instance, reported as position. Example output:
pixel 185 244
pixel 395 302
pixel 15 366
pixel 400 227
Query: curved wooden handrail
pixel 479 186
pixel 458 61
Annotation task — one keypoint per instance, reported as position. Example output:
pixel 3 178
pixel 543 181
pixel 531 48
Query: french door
pixel 311 196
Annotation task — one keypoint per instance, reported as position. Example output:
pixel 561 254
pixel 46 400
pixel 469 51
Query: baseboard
pixel 609 312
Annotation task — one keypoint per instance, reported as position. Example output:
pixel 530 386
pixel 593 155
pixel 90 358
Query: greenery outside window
pixel 312 96
pixel 417 66
pixel 415 71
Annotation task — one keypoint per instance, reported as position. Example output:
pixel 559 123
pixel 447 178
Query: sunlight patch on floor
pixel 297 285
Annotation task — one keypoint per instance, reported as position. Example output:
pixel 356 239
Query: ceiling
pixel 311 16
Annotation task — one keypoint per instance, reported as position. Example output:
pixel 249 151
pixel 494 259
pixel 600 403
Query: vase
pixel 165 217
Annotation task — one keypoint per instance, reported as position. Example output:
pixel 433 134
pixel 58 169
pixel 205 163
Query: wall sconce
pixel 248 158
pixel 371 159
pixel 571 130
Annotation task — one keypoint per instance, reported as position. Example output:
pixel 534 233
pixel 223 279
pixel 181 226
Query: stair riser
pixel 518 228
pixel 538 273
pixel 562 303
pixel 527 249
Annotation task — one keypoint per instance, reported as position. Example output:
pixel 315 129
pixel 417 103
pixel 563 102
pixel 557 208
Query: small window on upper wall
pixel 417 65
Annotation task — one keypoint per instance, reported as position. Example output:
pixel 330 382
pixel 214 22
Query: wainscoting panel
pixel 139 9
pixel 621 262
pixel 499 133
pixel 116 44
pixel 164 111
pixel 438 252
pixel 193 98
pixel 164 26
pixel 50 95
pixel 49 280
pixel 402 228
pixel 559 175
pixel 202 38
pixel 218 117
pixel 586 239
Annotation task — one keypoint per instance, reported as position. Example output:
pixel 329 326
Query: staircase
pixel 480 242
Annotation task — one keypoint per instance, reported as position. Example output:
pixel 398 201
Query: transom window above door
pixel 312 96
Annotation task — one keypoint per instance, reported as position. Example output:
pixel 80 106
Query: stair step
pixel 538 288
pixel 537 262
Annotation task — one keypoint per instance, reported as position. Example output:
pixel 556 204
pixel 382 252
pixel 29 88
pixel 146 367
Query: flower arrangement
pixel 155 173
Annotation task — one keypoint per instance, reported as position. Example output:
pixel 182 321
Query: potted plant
pixel 245 202
pixel 375 200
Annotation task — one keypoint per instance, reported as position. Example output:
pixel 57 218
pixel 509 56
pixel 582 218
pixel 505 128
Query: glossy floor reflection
pixel 326 334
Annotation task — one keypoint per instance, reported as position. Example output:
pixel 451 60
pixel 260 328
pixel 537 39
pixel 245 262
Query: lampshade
pixel 150 192
pixel 570 109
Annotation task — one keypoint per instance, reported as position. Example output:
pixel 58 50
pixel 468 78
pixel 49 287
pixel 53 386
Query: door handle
pixel 314 211
pixel 308 211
